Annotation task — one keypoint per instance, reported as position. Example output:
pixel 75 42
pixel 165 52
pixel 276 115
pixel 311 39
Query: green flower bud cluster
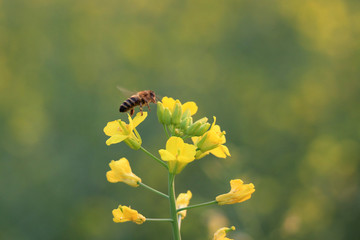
pixel 178 118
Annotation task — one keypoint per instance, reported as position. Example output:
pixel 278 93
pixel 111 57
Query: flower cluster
pixel 179 126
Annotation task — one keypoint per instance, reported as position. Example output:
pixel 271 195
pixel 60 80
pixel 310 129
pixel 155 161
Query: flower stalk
pixel 153 190
pixel 159 220
pixel 152 156
pixel 173 212
pixel 197 205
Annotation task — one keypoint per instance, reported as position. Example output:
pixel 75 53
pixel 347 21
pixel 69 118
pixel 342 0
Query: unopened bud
pixel 203 128
pixel 193 128
pixel 177 113
pixel 167 116
pixel 160 112
pixel 186 114
pixel 185 123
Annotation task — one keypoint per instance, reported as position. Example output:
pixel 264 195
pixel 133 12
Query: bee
pixel 139 99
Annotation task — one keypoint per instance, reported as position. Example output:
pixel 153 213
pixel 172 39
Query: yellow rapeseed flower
pixel 211 142
pixel 239 192
pixel 178 154
pixel 125 214
pixel 221 233
pixel 183 201
pixel 121 172
pixel 120 131
pixel 170 104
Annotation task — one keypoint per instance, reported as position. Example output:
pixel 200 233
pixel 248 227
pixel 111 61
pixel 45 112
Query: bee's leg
pixel 141 109
pixel 147 104
pixel 132 112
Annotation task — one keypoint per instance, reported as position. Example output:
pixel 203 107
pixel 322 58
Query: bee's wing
pixel 126 92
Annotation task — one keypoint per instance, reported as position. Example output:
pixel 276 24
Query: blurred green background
pixel 282 78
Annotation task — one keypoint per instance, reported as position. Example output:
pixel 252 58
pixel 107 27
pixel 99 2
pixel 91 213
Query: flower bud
pixel 160 112
pixel 185 123
pixel 167 116
pixel 186 114
pixel 177 113
pixel 193 128
pixel 202 129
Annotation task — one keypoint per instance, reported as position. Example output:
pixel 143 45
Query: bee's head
pixel 152 96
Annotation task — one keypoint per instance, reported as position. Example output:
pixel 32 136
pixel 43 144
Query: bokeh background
pixel 282 78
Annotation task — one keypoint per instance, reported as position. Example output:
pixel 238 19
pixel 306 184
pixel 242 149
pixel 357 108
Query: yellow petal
pixel 124 214
pixel 168 103
pixel 195 140
pixel 188 153
pixel 183 201
pixel 112 128
pixel 221 233
pixel 121 172
pixel 174 145
pixel 236 183
pixel 239 192
pixel 166 155
pixel 112 177
pixel 191 106
pixel 213 124
pixel 138 119
pixel 116 139
pixel 221 151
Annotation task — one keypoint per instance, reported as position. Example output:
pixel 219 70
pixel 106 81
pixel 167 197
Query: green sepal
pixel 177 113
pixel 160 112
pixel 193 128
pixel 202 140
pixel 203 128
pixel 167 116
pixel 133 142
pixel 123 126
pixel 186 114
pixel 185 123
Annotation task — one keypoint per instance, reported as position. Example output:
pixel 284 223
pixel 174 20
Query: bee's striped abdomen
pixel 129 104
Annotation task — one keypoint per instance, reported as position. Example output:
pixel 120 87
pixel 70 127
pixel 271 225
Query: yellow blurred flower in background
pixel 178 154
pixel 221 233
pixel 125 214
pixel 211 142
pixel 183 201
pixel 120 131
pixel 239 192
pixel 121 172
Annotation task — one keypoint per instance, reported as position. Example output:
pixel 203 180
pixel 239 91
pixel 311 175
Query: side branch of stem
pixel 154 157
pixel 173 213
pixel 197 205
pixel 153 190
pixel 159 220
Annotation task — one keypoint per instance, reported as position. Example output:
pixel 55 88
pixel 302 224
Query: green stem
pixel 197 205
pixel 159 219
pixel 152 189
pixel 166 131
pixel 172 128
pixel 173 213
pixel 151 155
pixel 179 221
